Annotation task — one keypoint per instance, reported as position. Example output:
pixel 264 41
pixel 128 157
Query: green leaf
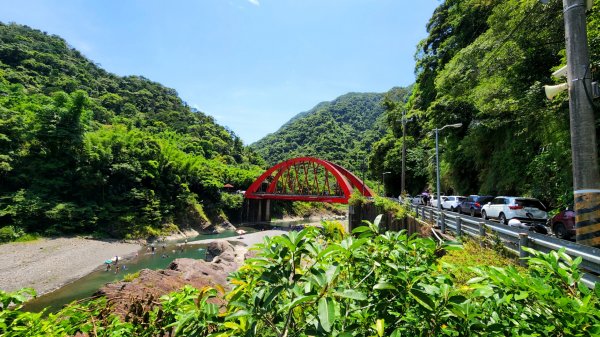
pixel 476 279
pixel 422 298
pixel 332 273
pixel 360 229
pixel 352 294
pixel 484 291
pixel 380 327
pixel 330 250
pixel 272 295
pixel 384 286
pixel 377 220
pixel 358 243
pixel 326 313
pixel 300 300
pixel 239 313
pixel 522 295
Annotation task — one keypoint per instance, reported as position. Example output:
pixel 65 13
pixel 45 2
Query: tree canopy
pixel 484 64
pixel 83 150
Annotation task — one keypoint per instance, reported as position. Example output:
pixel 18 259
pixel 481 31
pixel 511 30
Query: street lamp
pixel 383 181
pixel 437 161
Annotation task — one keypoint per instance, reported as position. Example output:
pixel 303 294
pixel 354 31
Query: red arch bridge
pixel 301 179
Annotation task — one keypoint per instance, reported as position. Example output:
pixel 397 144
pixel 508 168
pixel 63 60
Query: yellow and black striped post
pixel 587 217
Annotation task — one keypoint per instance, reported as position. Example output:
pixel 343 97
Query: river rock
pixel 221 228
pixel 129 299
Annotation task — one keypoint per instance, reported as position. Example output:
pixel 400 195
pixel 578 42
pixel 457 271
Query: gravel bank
pixel 48 264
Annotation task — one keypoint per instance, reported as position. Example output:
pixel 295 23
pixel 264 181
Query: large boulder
pixel 220 228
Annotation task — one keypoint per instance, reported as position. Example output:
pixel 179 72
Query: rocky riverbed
pixel 47 264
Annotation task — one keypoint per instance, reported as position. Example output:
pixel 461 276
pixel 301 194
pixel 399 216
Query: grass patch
pixel 28 237
pixel 131 277
pixel 458 262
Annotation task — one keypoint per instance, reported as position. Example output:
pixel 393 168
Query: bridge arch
pixel 307 179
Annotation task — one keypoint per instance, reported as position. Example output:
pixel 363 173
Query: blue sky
pixel 252 64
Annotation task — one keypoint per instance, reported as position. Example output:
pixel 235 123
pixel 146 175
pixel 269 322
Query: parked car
pixel 472 205
pixel 505 208
pixel 419 200
pixel 433 200
pixel 452 202
pixel 563 224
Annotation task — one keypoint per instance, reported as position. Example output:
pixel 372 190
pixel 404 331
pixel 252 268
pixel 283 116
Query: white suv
pixel 506 208
pixel 452 202
pixel 433 201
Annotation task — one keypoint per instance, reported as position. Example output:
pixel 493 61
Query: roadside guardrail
pixel 513 238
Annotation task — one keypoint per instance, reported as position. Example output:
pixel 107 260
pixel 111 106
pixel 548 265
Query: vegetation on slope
pixel 328 283
pixel 484 64
pixel 341 131
pixel 84 150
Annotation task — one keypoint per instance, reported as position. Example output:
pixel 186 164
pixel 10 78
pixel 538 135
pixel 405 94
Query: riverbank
pixel 246 240
pixel 48 264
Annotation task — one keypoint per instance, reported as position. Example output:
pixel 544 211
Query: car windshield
pixel 484 200
pixel 530 203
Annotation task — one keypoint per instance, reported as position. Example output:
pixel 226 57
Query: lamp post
pixel 383 181
pixel 437 161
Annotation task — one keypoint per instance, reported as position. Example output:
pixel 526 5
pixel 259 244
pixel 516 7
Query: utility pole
pixel 402 181
pixel 586 177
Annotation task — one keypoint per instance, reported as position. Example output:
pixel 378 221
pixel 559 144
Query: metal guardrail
pixel 514 239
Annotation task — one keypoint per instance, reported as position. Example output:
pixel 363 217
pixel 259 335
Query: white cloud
pixel 254 2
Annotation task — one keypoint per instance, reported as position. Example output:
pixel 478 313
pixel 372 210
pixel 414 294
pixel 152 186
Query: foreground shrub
pixel 324 282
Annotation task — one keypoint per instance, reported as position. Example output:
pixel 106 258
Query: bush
pixel 329 283
pixel 10 233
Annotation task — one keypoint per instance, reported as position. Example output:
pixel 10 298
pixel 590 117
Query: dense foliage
pixel 326 283
pixel 84 150
pixel 341 131
pixel 484 64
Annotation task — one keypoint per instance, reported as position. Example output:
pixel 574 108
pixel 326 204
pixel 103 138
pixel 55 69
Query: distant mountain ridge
pixel 341 130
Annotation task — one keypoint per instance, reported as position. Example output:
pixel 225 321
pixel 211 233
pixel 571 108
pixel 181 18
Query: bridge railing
pixel 513 239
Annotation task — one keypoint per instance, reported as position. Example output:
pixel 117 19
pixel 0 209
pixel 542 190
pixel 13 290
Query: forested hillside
pixel 83 150
pixel 484 64
pixel 342 130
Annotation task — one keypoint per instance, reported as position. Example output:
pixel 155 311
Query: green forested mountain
pixel 342 130
pixel 484 64
pixel 84 150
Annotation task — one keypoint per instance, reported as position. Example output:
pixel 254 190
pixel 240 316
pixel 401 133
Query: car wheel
pixel 484 215
pixel 472 212
pixel 459 210
pixel 561 231
pixel 502 219
pixel 452 209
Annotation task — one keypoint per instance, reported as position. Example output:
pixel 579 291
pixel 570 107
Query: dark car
pixel 563 224
pixel 472 205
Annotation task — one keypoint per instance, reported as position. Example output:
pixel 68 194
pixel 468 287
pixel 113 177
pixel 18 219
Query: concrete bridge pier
pixel 258 211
